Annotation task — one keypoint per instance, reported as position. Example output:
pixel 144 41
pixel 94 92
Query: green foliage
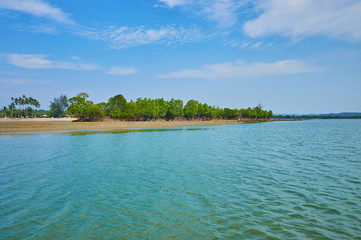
pixel 84 110
pixel 103 106
pixel 116 105
pixel 131 111
pixel 147 108
pixel 230 113
pixel 58 106
pixel 175 109
pixel 163 107
pixel 191 109
pixel 141 109
pixel 25 104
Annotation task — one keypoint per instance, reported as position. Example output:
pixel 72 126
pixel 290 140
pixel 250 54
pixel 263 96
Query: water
pixel 278 180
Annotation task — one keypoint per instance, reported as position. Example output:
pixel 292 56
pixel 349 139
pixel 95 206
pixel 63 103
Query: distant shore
pixel 56 125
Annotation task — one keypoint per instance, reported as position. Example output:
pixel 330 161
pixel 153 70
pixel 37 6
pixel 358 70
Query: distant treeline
pixel 21 107
pixel 27 107
pixel 320 116
pixel 142 109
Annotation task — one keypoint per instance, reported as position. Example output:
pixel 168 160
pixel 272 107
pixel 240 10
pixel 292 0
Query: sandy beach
pixel 37 119
pixel 57 125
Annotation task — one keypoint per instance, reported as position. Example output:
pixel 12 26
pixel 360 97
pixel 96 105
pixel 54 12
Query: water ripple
pixel 281 180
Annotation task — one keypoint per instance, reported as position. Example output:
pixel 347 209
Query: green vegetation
pixel 142 109
pixel 21 107
pixel 58 106
pixel 85 110
pixel 146 109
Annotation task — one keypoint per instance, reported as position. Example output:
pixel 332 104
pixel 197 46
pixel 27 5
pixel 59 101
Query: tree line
pixel 21 107
pixel 317 116
pixel 142 109
pixel 146 109
pixel 28 107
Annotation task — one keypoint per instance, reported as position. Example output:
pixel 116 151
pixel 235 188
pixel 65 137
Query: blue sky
pixel 292 56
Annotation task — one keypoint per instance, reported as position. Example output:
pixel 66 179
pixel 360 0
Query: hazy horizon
pixel 293 57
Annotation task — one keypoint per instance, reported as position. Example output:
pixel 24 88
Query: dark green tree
pixel 147 108
pixel 175 109
pixel 163 107
pixel 131 111
pixel 191 109
pixel 116 106
pixel 59 105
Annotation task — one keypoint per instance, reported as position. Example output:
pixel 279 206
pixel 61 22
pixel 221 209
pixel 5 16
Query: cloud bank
pixel 173 3
pixel 223 12
pixel 303 18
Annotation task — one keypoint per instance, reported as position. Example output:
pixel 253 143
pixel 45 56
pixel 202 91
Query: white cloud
pixel 33 61
pixel 224 12
pixel 241 70
pixel 303 18
pixel 124 37
pixel 37 8
pixel 256 45
pixel 172 3
pixel 122 70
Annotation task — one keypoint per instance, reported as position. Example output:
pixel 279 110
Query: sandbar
pixel 38 126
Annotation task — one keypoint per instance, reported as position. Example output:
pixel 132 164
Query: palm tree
pixel 24 100
pixel 24 103
pixel 33 102
pixel 12 107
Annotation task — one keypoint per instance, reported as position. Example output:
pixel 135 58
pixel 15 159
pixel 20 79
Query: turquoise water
pixel 278 180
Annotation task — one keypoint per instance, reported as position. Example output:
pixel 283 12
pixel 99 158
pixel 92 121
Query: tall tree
pixel 191 109
pixel 116 105
pixel 131 110
pixel 12 108
pixel 59 105
pixel 163 107
pixel 175 109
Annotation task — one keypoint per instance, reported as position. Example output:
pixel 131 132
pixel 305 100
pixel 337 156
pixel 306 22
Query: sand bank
pixel 37 119
pixel 23 126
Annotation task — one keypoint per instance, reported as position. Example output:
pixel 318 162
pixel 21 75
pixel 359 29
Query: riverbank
pixel 27 126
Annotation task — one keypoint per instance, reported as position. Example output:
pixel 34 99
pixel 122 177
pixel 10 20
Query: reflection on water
pixel 87 132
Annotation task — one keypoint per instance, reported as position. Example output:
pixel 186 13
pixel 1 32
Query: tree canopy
pixel 144 109
pixel 141 109
pixel 83 109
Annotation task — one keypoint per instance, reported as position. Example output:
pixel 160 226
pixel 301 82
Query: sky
pixel 291 56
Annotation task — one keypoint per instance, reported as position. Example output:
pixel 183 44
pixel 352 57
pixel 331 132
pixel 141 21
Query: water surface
pixel 277 180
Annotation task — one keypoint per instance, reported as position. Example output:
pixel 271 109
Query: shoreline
pixel 46 126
